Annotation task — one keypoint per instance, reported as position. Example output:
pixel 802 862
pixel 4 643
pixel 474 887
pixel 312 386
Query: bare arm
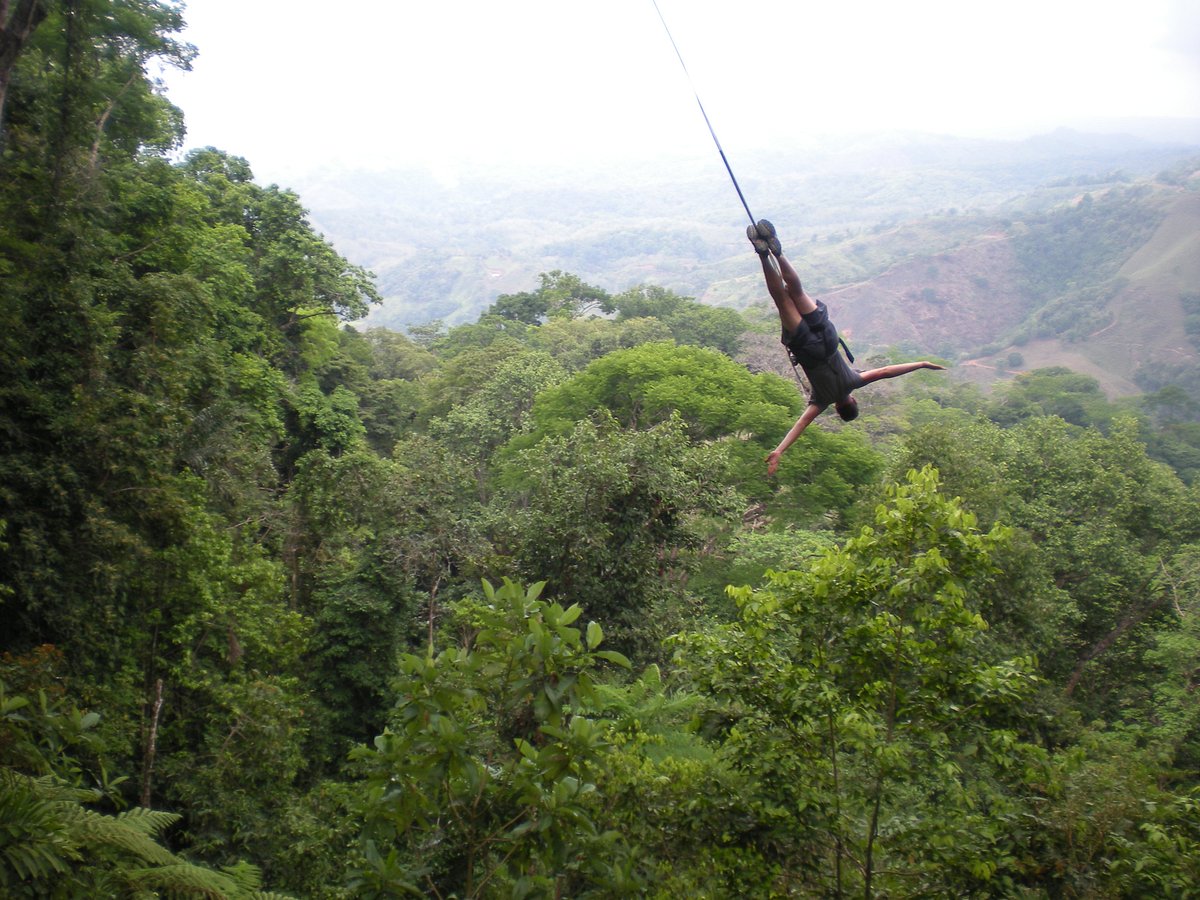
pixel 810 412
pixel 896 370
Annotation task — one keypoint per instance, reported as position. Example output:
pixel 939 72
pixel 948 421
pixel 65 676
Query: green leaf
pixel 614 657
pixel 595 634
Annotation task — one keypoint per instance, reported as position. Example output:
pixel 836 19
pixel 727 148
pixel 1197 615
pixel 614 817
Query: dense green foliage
pixel 351 613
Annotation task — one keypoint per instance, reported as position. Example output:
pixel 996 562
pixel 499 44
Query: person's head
pixel 847 408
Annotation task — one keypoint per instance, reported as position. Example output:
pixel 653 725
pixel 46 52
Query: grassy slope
pixel 1145 315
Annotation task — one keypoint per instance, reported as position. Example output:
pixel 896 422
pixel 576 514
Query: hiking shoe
pixel 766 233
pixel 761 247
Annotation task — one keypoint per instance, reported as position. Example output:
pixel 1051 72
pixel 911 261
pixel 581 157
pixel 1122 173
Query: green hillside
pixel 1096 284
pixel 971 250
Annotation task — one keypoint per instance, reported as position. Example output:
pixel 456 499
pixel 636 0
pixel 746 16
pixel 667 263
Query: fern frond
pixel 47 787
pixel 186 879
pixel 247 876
pixel 46 834
pixel 31 861
pixel 148 821
pixel 249 882
pixel 35 839
pixel 91 829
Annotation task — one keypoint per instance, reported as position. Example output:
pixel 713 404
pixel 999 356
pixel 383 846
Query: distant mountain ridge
pixel 923 242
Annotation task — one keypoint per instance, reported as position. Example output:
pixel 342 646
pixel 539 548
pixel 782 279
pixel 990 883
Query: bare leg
pixel 803 302
pixel 789 316
pixel 785 289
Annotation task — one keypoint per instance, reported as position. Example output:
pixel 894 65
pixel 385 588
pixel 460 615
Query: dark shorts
pixel 815 338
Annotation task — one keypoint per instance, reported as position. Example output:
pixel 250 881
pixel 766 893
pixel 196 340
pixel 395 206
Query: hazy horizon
pixel 383 84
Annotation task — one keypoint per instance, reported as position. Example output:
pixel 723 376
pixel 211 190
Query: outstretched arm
pixel 896 370
pixel 810 412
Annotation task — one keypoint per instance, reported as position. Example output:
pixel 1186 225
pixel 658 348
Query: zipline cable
pixel 725 160
pixel 728 169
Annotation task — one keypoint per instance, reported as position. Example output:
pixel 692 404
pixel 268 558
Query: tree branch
pixel 94 156
pixel 1133 618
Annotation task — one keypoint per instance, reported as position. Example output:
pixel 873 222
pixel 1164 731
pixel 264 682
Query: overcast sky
pixel 297 84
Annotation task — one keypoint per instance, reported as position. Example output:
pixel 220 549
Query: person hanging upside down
pixel 812 342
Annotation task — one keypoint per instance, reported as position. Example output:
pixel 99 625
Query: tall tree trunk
pixel 17 22
pixel 877 800
pixel 150 751
pixel 838 846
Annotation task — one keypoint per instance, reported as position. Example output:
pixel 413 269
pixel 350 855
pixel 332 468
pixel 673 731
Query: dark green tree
pixel 646 385
pixel 863 703
pixel 574 343
pixel 501 408
pixel 613 518
pixel 483 785
pixel 559 294
pixel 717 400
pixel 167 329
pixel 1096 520
pixel 1055 391
pixel 690 322
pixel 60 835
pixel 18 21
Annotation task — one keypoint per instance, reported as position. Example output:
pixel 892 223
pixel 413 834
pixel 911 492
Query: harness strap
pixel 849 355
